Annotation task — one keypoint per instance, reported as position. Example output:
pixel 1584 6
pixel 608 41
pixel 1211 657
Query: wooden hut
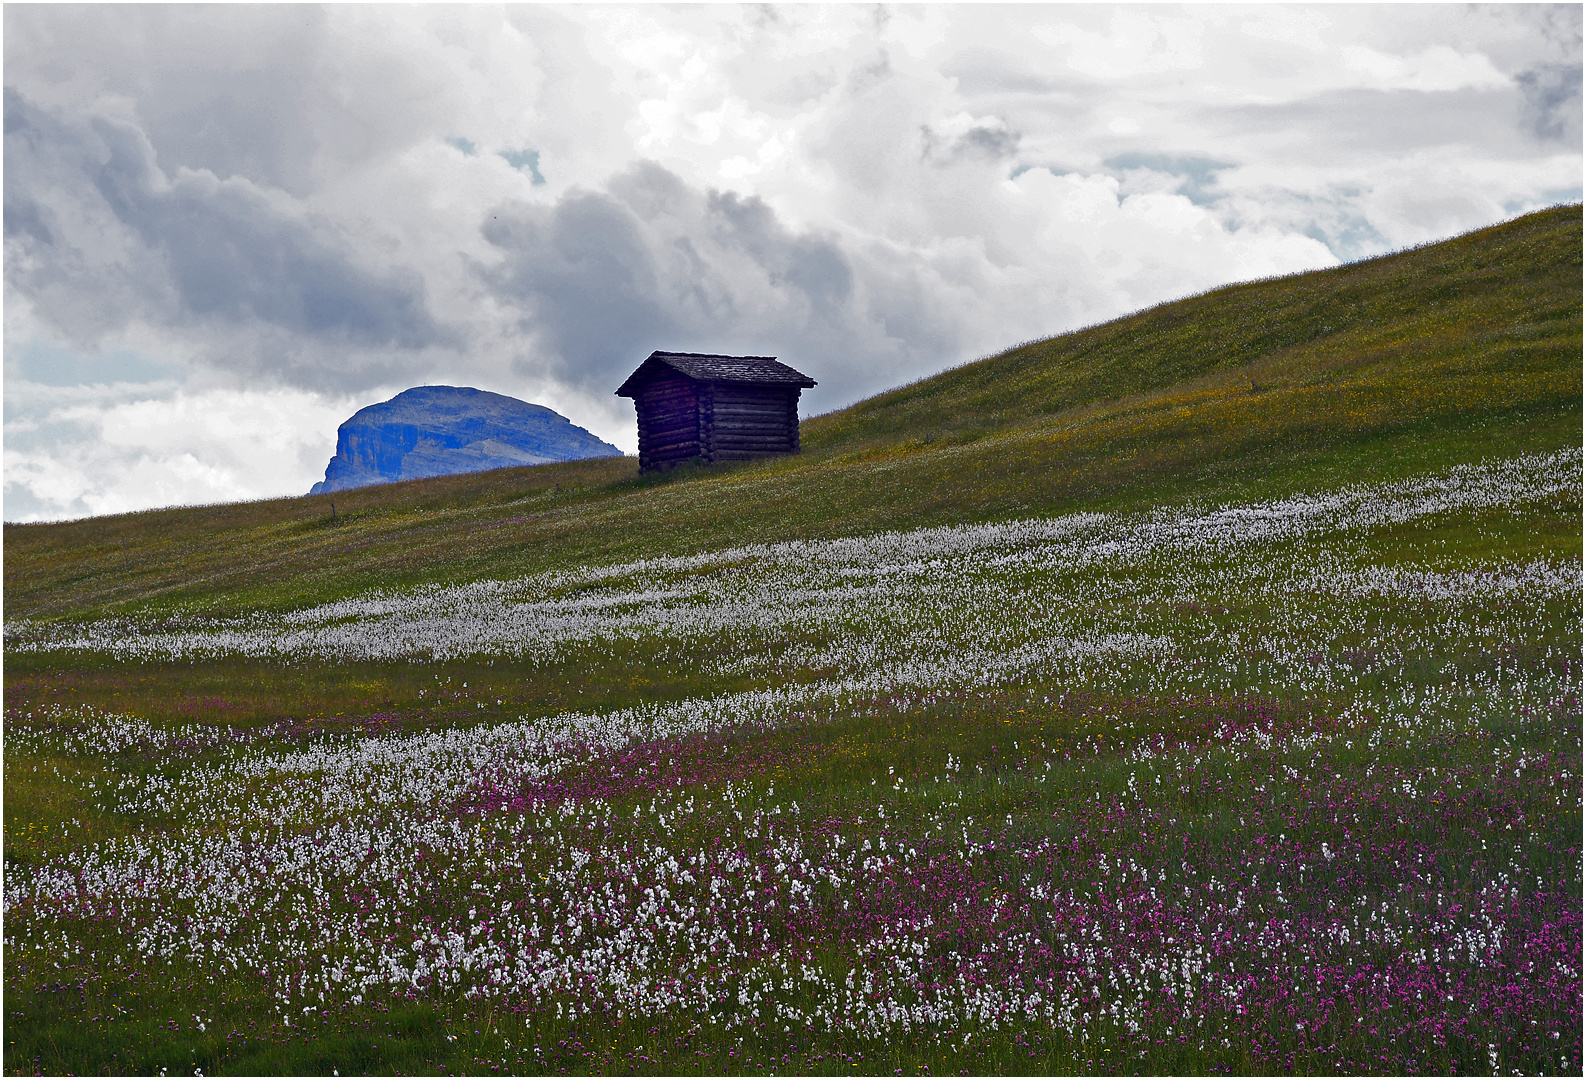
pixel 716 408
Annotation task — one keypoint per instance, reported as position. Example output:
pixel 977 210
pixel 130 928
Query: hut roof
pixel 708 367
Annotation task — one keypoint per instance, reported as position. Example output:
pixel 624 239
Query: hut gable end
pixel 715 408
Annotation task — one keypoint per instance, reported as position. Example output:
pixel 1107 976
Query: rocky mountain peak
pixel 443 430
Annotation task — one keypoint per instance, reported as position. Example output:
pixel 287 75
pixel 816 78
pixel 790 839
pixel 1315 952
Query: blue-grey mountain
pixel 441 430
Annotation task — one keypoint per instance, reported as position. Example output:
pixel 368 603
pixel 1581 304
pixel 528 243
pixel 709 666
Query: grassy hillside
pixel 1288 786
pixel 1454 352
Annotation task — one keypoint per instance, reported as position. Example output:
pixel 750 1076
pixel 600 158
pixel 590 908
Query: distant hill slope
pixel 1488 309
pixel 1454 352
pixel 445 430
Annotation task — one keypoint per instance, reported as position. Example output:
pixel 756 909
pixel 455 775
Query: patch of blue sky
pixel 525 161
pixel 52 365
pixel 1197 175
pixel 28 432
pixel 1055 170
pixel 1352 239
pixel 1550 197
pixel 19 505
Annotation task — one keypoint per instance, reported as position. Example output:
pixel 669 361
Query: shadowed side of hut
pixel 714 408
pixel 669 422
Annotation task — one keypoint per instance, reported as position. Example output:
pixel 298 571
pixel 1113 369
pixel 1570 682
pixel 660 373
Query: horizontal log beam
pixel 743 455
pixel 744 415
pixel 752 444
pixel 674 440
pixel 674 452
pixel 738 397
pixel 680 394
pixel 673 424
pixel 751 400
pixel 668 386
pixel 679 449
pixel 751 429
pixel 777 416
pixel 673 449
pixel 662 416
pixel 671 419
pixel 652 409
pixel 669 405
pixel 671 432
pixel 779 408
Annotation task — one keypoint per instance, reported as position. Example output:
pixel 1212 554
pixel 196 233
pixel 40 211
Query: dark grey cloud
pixel 25 217
pixel 601 279
pixel 1552 102
pixel 194 248
pixel 587 283
pixel 237 90
pixel 982 140
pixel 251 127
pixel 810 266
pixel 233 252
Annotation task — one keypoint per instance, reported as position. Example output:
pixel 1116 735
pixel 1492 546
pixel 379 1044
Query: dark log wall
pixel 668 410
pixel 742 422
pixel 680 419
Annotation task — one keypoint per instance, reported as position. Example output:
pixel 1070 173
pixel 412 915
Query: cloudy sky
pixel 229 227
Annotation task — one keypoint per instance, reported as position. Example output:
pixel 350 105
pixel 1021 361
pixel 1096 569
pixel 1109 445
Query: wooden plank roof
pixel 710 367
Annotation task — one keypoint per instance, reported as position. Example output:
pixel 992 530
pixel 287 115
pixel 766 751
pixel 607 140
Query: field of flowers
pixel 1289 786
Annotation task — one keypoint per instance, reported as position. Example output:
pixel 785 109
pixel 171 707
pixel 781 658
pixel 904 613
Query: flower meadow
pixel 1289 787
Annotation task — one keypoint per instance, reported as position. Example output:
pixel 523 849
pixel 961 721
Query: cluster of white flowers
pixel 931 588
pixel 357 865
pixel 88 732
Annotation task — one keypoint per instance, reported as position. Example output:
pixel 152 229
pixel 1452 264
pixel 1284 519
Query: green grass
pixel 1399 367
pixel 1448 353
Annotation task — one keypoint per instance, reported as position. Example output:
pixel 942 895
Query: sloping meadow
pixel 1292 786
